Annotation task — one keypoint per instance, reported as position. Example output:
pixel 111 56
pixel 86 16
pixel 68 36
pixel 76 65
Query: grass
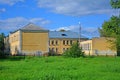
pixel 60 68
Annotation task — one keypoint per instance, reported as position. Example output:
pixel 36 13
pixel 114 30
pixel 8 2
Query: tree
pixel 111 29
pixel 115 4
pixel 2 45
pixel 75 51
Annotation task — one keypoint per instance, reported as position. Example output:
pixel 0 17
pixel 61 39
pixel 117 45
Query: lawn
pixel 60 68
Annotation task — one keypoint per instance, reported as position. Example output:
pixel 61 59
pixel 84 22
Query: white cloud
pixel 85 31
pixel 12 24
pixel 10 2
pixel 40 21
pixel 65 28
pixel 2 10
pixel 77 7
pixel 90 32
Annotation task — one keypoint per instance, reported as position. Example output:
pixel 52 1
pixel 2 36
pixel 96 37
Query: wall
pixel 101 46
pixel 97 46
pixel 14 40
pixel 33 42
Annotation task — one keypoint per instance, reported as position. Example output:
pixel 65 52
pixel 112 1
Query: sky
pixel 55 15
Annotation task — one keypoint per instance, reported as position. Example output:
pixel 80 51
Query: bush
pixel 52 53
pixel 75 51
pixel 2 55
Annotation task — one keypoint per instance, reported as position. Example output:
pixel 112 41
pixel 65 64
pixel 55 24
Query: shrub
pixel 2 55
pixel 75 51
pixel 52 53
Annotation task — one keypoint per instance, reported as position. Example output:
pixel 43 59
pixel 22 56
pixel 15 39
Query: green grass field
pixel 60 68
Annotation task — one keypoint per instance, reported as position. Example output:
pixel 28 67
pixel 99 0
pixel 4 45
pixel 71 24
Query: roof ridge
pixel 32 26
pixel 68 34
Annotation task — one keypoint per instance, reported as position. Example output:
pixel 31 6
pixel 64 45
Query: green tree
pixel 75 51
pixel 2 45
pixel 115 4
pixel 111 28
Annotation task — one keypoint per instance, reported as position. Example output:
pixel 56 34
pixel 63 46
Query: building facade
pixel 60 41
pixel 97 46
pixel 29 40
pixel 34 40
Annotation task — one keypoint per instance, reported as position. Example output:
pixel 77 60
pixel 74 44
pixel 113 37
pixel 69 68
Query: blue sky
pixel 55 14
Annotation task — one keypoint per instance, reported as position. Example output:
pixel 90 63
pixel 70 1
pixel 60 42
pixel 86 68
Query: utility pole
pixel 79 32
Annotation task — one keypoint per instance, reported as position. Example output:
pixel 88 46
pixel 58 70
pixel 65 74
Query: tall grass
pixel 60 68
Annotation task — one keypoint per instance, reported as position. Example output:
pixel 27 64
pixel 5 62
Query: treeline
pixel 2 45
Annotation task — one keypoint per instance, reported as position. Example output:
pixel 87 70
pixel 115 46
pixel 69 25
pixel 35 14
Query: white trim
pixel 20 41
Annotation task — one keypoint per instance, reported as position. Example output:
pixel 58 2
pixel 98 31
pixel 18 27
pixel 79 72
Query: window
pixel 70 42
pixel 56 42
pixel 67 48
pixel 63 49
pixel 67 42
pixel 52 42
pixel 56 49
pixel 52 49
pixel 86 46
pixel 15 39
pixel 89 46
pixel 63 42
pixel 63 34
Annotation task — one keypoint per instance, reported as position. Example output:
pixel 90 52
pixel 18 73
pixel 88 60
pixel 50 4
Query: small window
pixel 52 42
pixel 63 49
pixel 89 46
pixel 67 42
pixel 56 49
pixel 67 48
pixel 63 34
pixel 52 49
pixel 56 42
pixel 63 42
pixel 70 42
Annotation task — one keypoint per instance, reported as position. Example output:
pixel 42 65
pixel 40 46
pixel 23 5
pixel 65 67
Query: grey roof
pixel 32 26
pixel 64 34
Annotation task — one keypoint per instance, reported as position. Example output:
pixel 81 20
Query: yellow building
pixel 59 41
pixel 29 40
pixel 33 40
pixel 97 46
